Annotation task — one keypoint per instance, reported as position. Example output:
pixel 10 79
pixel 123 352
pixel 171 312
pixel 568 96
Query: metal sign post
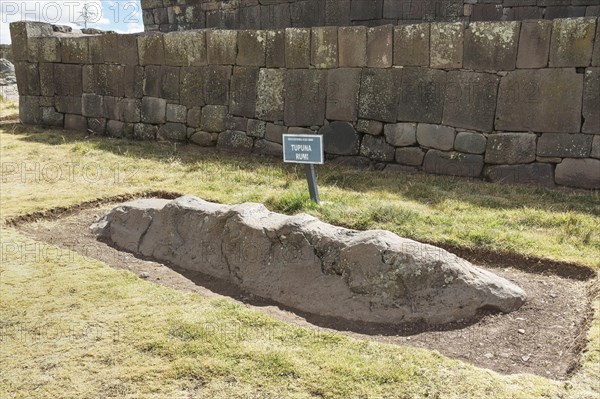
pixel 306 149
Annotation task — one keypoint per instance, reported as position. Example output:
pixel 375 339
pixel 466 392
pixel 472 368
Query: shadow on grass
pixel 419 187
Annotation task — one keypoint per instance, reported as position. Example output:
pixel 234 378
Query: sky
pixel 123 16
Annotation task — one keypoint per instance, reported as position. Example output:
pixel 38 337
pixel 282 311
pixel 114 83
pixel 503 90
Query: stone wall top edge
pixel 37 32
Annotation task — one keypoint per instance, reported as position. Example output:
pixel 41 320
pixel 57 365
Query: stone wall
pixel 504 101
pixel 171 15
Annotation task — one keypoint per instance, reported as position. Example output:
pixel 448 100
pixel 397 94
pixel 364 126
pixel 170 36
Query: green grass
pixel 160 343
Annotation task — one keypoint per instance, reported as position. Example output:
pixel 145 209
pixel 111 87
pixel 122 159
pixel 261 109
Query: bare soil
pixel 545 337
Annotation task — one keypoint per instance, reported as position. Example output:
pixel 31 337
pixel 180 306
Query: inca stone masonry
pixel 514 101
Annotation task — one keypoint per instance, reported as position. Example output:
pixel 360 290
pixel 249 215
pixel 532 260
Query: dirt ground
pixel 544 337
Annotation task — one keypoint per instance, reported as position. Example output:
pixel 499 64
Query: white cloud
pixel 111 15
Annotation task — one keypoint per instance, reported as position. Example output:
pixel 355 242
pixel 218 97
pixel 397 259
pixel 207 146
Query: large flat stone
pixel 221 47
pixel 591 101
pixel 305 96
pixel 491 46
pixel 372 276
pixel 151 49
pixel 270 101
pixel 154 110
pixel 340 138
pixel 510 148
pixel 411 45
pixel 380 46
pixel 582 173
pixel 342 94
pixel 185 48
pixel 379 94
pixel 564 145
pixel 422 95
pixel 377 149
pixel 352 46
pixel 401 134
pixel 534 44
pixel 324 47
pixel 436 136
pixel 546 100
pixel 191 84
pixel 453 163
pixel 470 100
pixel 572 42
pixel 297 48
pixel 243 91
pixel 447 41
pixel 251 48
pixel 534 173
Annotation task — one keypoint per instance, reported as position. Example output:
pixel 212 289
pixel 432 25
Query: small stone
pixel 521 331
pixel 488 355
pixel 144 275
pixel 525 357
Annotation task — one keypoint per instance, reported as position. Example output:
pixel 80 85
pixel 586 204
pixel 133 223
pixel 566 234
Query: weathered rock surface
pixel 309 265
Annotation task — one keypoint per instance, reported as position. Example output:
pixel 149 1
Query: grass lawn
pixel 73 327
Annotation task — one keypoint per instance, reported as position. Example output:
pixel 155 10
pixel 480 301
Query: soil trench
pixel 544 337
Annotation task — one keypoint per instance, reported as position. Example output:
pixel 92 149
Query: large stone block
pixel 194 117
pixel 422 95
pixel 151 49
pixel 596 53
pixel 68 104
pixel 274 133
pixel 49 49
pixel 243 91
pixel 564 145
pixel 470 100
pixel 115 128
pixel 235 140
pixel 216 84
pixel 92 105
pixel 29 110
pixel 411 156
pixel 510 148
pixel 401 134
pixel 380 46
pixel 176 113
pixel 379 93
pixel 491 46
pixel 297 48
pixel 365 276
pixel 534 173
pixel 47 81
pixel 582 173
pixel 411 45
pixel 534 44
pixel 130 110
pixel 68 80
pixel 324 47
pixel 213 118
pixel 572 42
pixel 74 50
pixel 256 128
pixel 342 94
pixel 305 96
pixel 28 78
pixel 275 49
pixel 96 125
pixel 377 149
pixel 185 48
pixel 435 136
pixel 172 132
pixel 221 47
pixel 144 131
pixel 546 100
pixel 128 50
pixel 595 147
pixel 251 48
pixel 191 86
pixel 340 138
pixel 111 107
pixel 133 81
pixel 204 139
pixel 591 101
pixel 154 110
pixel 51 118
pixel 469 142
pixel 268 148
pixel 447 43
pixel 352 46
pixel 453 163
pixel 270 102
pixel 75 122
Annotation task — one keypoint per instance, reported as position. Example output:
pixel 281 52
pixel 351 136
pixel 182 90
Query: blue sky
pixel 124 16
